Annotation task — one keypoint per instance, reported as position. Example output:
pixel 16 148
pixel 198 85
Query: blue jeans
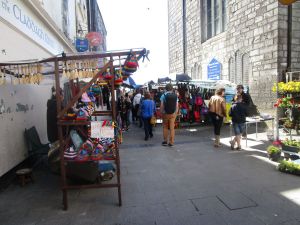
pixel 147 127
pixel 238 128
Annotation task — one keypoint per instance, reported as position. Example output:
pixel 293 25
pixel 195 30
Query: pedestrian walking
pixel 217 111
pixel 148 110
pixel 136 104
pixel 238 115
pixel 123 108
pixel 169 109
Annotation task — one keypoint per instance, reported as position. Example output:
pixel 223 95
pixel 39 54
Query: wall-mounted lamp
pixel 3 51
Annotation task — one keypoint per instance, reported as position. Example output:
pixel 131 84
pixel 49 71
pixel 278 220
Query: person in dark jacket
pixel 147 111
pixel 52 116
pixel 238 113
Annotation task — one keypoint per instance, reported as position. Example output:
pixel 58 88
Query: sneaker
pixel 146 138
pixel 231 145
pixel 239 148
pixel 151 135
pixel 164 143
pixel 170 145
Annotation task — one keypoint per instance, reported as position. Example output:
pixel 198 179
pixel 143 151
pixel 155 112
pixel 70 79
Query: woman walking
pixel 238 113
pixel 147 111
pixel 217 111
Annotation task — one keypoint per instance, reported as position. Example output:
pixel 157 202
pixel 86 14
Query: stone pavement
pixel 189 184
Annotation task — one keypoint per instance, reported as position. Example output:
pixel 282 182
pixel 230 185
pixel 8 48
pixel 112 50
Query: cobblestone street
pixel 191 183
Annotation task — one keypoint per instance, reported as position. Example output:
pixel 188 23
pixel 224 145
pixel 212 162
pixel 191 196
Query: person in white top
pixel 136 104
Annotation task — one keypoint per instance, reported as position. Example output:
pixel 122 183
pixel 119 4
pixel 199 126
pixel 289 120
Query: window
pixel 231 66
pixel 239 68
pixel 213 18
pixel 245 68
pixel 65 18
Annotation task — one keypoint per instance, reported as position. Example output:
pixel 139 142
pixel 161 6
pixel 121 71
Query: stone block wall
pixel 258 28
pixel 175 36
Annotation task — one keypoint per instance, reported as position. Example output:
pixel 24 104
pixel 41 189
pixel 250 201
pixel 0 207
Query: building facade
pixel 248 39
pixel 32 30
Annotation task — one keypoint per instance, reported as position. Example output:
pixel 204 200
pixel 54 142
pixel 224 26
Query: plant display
pixel 293 143
pixel 289 87
pixel 289 124
pixel 273 150
pixel 289 167
pixel 274 153
pixel 286 102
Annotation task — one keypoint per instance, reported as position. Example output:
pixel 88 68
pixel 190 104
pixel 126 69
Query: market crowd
pixel 139 108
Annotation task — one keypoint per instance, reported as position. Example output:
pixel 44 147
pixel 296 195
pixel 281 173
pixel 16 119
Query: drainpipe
pixel 289 39
pixel 184 34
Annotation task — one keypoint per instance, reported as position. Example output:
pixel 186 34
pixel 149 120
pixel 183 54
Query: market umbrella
pixel 163 80
pixel 182 77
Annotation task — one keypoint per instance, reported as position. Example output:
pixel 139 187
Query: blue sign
pixel 214 70
pixel 82 45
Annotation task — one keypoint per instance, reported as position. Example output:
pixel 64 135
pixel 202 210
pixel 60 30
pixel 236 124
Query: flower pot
pixel 289 148
pixel 275 156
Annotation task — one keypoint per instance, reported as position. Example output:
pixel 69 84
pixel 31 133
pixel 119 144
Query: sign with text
pixel 17 14
pixel 100 131
pixel 214 70
pixel 82 45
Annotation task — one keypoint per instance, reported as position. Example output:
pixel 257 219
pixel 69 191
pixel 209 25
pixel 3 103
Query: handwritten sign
pixel 100 131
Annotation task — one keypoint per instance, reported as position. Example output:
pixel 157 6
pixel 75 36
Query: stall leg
pixel 65 199
pixel 246 135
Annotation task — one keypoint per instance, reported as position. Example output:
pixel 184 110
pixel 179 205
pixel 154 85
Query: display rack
pixel 59 61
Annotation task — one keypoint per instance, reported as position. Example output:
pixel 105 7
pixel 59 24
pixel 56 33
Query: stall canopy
pixel 163 80
pixel 182 77
pixel 130 82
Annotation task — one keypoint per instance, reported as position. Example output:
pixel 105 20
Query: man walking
pixel 169 109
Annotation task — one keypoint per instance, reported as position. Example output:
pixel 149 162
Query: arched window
pixel 238 68
pixel 231 72
pixel 199 72
pixel 245 68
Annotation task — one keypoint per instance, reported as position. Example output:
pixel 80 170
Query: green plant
pixel 292 143
pixel 289 167
pixel 273 150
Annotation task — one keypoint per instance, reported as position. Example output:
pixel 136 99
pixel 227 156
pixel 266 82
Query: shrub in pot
pixel 274 153
pixel 289 167
pixel 291 146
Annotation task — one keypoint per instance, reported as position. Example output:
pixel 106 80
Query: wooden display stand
pixel 110 57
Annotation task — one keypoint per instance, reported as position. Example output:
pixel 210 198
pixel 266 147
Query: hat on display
pixel 85 98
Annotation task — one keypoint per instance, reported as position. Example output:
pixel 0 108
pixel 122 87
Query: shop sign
pixel 214 70
pixel 82 45
pixel 18 15
pixel 95 38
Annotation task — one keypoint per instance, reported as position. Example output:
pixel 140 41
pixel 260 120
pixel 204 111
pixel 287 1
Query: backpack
pixel 198 101
pixel 170 103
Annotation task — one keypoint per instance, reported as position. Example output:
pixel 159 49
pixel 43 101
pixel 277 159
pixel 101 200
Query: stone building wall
pixel 175 36
pixel 257 28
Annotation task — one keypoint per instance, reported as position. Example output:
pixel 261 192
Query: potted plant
pixel 274 153
pixel 289 167
pixel 291 145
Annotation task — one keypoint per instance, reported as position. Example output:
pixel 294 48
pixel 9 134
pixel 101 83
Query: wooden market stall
pixel 115 65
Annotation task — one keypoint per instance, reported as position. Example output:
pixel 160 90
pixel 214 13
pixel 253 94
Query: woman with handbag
pixel 148 109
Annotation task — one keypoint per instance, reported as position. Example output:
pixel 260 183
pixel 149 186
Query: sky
pixel 139 24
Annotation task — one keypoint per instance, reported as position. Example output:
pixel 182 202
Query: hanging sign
pixel 95 38
pixel 82 45
pixel 287 2
pixel 100 131
pixel 214 70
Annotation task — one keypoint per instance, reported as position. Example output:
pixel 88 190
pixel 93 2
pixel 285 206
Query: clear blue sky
pixel 135 24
